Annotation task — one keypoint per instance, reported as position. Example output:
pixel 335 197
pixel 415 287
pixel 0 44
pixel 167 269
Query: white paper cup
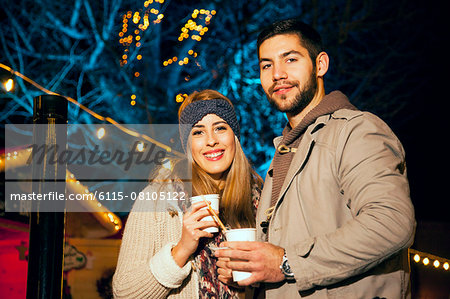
pixel 214 203
pixel 241 234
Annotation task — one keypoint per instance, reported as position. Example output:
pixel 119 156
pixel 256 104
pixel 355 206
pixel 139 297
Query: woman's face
pixel 213 145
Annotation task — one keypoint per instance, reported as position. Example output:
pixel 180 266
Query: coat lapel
pixel 302 155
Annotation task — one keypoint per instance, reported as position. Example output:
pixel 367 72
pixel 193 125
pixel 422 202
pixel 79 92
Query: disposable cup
pixel 214 203
pixel 241 234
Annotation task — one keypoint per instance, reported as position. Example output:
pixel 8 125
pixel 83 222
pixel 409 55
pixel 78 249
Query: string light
pixel 94 114
pixel 180 97
pixel 9 85
pixel 140 146
pixel 73 185
pixel 101 133
pixel 167 164
pixel 194 31
pixel 185 60
pixel 135 23
pixel 426 258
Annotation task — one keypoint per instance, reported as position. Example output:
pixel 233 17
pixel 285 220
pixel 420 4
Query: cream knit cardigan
pixel 146 268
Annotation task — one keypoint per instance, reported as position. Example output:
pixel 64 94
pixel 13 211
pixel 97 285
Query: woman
pixel 167 254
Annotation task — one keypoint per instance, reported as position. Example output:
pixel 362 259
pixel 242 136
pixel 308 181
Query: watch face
pixel 287 269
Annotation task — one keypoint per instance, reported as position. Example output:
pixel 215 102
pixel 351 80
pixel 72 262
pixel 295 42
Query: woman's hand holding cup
pixel 192 231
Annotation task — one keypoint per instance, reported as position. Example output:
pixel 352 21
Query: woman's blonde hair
pixel 236 205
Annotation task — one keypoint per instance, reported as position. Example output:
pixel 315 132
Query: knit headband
pixel 195 111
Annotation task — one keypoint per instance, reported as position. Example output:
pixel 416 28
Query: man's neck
pixel 294 120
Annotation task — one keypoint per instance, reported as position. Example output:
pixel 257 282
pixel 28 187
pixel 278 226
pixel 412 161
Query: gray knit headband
pixel 195 111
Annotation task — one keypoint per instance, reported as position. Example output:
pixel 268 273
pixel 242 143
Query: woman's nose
pixel 211 139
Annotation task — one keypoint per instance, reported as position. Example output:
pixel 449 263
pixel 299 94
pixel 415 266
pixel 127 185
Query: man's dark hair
pixel 309 37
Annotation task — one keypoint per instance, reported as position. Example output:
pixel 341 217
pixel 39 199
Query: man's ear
pixel 322 62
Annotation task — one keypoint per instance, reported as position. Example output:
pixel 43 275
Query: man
pixel 335 218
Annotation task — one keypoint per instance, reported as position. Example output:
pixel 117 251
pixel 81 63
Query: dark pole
pixel 47 218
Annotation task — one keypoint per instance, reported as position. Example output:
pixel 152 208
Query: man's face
pixel 287 73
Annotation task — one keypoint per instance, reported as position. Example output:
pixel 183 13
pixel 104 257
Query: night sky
pixel 425 130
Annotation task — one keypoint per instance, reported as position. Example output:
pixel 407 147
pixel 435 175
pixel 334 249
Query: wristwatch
pixel 285 268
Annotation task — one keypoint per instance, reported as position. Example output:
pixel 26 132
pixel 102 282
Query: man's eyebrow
pixel 264 59
pixel 282 55
pixel 291 52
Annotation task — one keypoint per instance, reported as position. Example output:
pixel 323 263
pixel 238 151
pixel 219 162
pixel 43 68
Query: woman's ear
pixel 322 62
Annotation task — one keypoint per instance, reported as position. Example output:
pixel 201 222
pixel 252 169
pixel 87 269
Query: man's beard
pixel 301 100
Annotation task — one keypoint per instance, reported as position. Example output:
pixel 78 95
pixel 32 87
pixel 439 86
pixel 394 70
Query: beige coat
pixel 344 214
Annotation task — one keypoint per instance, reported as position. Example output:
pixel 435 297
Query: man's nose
pixel 279 73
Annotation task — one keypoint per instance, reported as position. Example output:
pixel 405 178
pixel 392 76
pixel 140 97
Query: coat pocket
pixel 304 248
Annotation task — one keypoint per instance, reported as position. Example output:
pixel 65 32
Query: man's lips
pixel 214 155
pixel 282 89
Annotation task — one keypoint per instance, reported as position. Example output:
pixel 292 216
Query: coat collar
pixel 303 152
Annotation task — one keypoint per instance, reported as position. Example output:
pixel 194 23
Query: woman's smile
pixel 214 155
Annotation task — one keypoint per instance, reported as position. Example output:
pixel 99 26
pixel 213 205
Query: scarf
pixel 209 284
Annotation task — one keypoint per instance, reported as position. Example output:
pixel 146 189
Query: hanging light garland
pixel 140 20
pixel 428 259
pixel 96 115
pixel 134 24
pixel 194 31
pixel 18 157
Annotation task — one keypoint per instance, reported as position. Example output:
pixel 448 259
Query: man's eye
pixel 291 60
pixel 265 66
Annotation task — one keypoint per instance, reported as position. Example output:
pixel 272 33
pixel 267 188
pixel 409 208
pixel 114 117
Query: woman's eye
pixel 221 128
pixel 196 133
